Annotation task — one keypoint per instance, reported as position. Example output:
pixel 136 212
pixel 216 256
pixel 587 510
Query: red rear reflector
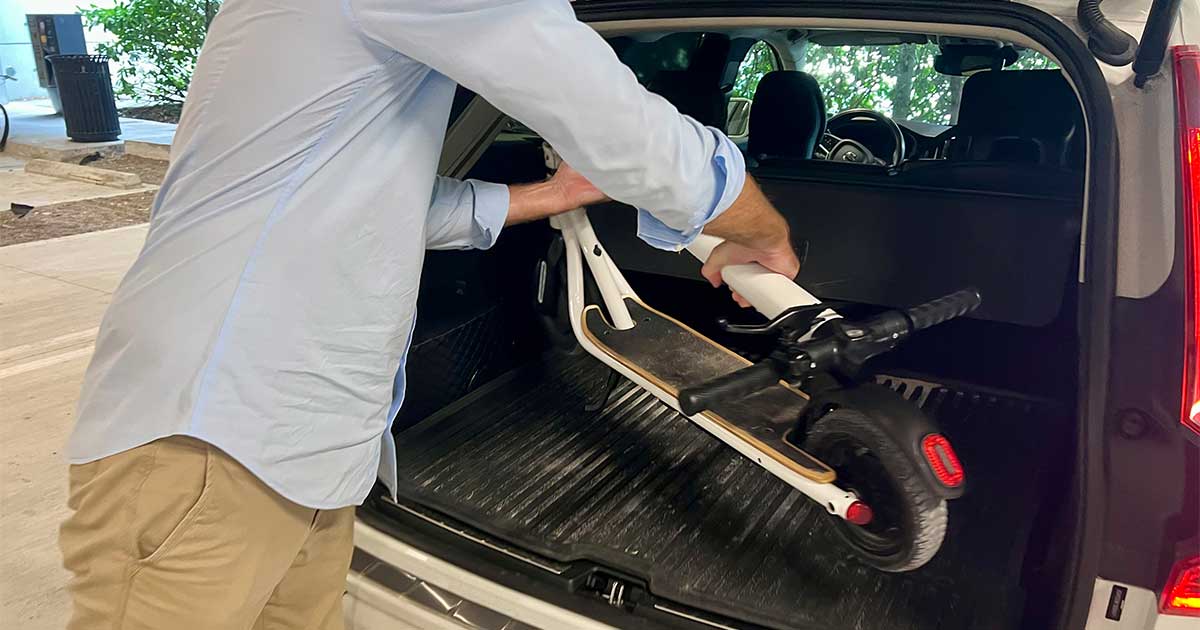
pixel 1181 596
pixel 1187 91
pixel 859 513
pixel 942 460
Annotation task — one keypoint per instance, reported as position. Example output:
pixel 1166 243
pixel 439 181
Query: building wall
pixel 16 52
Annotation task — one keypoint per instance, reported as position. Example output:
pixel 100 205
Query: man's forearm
pixel 566 190
pixel 530 202
pixel 754 232
pixel 751 221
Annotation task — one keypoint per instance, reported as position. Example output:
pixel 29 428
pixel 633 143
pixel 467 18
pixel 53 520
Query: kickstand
pixel 597 402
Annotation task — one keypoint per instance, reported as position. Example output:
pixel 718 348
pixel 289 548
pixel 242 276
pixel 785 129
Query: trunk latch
pixel 619 592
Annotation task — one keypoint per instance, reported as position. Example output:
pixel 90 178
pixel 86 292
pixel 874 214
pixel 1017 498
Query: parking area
pixel 52 296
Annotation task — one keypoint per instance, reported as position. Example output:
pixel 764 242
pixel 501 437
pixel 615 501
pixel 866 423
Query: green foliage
pixel 759 61
pixel 1030 60
pixel 157 42
pixel 854 77
pixel 896 80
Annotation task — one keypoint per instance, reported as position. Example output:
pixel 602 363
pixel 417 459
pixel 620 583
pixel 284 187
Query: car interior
pixel 512 439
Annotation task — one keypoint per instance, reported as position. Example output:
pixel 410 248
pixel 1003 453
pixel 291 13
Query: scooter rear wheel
pixel 909 521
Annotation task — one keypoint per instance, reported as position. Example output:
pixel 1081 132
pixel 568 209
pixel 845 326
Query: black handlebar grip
pixel 732 386
pixel 945 308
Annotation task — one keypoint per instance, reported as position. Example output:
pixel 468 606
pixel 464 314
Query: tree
pixel 759 61
pixel 906 68
pixel 898 80
pixel 156 43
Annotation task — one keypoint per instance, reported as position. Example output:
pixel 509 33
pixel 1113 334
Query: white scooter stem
pixel 768 292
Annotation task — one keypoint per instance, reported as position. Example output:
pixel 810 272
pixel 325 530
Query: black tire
pixel 909 522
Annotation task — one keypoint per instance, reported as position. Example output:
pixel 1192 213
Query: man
pixel 251 362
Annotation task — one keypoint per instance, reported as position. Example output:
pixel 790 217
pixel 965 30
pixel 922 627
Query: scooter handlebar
pixel 943 309
pixel 849 346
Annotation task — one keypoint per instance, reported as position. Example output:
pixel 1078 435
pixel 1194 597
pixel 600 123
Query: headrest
pixel 1025 116
pixel 787 118
pixel 691 94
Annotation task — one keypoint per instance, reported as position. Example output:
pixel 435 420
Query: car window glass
pixel 898 81
pixel 759 61
pixel 648 58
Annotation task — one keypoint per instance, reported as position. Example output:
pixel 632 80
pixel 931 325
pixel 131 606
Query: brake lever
pixel 796 321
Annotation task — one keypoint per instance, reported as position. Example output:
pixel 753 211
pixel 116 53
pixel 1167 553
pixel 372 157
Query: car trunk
pixel 510 438
pixel 633 489
pixel 523 459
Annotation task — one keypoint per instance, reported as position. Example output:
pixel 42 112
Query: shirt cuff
pixel 491 211
pixel 729 173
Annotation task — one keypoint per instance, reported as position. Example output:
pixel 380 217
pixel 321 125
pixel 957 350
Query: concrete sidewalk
pixel 37 132
pixel 52 295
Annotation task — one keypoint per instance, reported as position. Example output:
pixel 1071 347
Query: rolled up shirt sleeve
pixel 729 175
pixel 533 60
pixel 465 214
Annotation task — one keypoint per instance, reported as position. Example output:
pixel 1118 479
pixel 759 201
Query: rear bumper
pixel 394 585
pixel 1133 607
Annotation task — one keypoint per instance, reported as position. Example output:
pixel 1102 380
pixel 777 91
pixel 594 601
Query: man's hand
pixel 566 190
pixel 754 232
pixel 575 189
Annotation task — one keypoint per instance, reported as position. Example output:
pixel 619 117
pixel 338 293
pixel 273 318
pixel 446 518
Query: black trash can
pixel 85 87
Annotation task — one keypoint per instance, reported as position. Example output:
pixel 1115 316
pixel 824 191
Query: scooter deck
pixel 673 356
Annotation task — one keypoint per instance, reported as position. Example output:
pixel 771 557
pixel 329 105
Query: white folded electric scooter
pixel 874 461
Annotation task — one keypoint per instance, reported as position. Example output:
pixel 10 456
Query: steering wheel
pixel 837 149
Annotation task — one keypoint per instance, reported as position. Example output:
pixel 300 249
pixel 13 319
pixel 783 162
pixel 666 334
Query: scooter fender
pixel 904 422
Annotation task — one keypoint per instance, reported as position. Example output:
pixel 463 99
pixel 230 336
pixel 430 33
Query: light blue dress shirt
pixel 272 305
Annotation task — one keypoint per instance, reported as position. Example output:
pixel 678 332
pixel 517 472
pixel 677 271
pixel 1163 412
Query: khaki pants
pixel 176 534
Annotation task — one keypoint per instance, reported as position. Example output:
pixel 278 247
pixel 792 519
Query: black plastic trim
pixel 1155 522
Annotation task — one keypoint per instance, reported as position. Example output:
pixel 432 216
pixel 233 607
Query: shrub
pixel 156 44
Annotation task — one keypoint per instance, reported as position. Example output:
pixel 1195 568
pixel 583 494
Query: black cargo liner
pixel 637 488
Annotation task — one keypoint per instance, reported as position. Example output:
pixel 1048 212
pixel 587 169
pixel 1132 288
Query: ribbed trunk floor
pixel 636 487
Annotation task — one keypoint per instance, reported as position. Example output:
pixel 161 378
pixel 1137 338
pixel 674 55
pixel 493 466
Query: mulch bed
pixel 151 171
pixel 161 113
pixel 86 215
pixel 75 217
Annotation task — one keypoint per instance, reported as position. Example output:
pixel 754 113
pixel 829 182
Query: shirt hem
pixel 253 468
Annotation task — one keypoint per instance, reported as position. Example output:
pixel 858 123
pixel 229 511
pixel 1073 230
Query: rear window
pixel 897 80
pixel 648 58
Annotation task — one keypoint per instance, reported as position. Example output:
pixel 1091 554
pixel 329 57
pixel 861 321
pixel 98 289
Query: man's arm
pixel 754 231
pixel 533 60
pixel 566 190
pixel 470 214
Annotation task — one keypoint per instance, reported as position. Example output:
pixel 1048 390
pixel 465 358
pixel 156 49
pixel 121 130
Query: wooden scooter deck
pixel 673 356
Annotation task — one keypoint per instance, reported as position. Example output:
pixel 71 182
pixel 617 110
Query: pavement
pixel 37 132
pixel 52 296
